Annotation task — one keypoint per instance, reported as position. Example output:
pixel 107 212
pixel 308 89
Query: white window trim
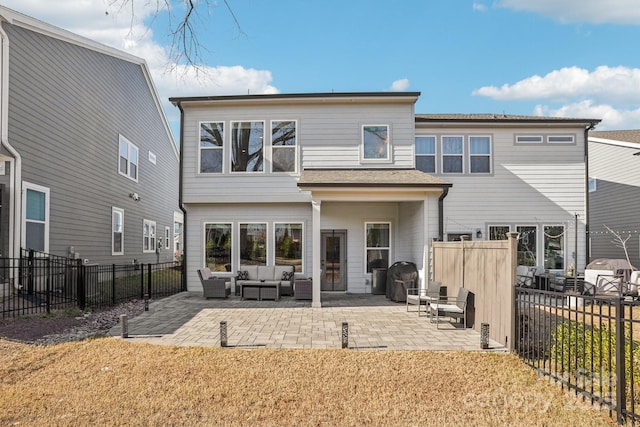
pixel 564 243
pixel 537 228
pixel 389 158
pixel 462 155
pixel 539 141
pixel 167 238
pixel 130 147
pixel 224 143
pixel 273 238
pixel 271 146
pixel 121 212
pixel 152 238
pixel 497 225
pixel 571 136
pixel 264 132
pixel 152 157
pixel 29 186
pixel 434 155
pixel 490 154
pixel 366 248
pixel 592 188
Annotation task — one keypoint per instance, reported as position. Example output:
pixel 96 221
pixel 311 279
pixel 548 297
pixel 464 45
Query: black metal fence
pixel 38 283
pixel 588 344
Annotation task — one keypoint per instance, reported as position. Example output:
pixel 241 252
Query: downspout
pixel 586 187
pixel 445 191
pixel 16 174
pixel 180 204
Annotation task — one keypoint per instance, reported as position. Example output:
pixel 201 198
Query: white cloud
pixel 612 118
pixel 124 29
pixel 593 11
pixel 617 85
pixel 399 85
pixel 479 7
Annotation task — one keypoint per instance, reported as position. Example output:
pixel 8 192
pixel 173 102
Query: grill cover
pixel 401 270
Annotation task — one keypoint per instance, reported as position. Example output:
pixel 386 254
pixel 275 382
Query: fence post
pixel 113 284
pixel 183 268
pixel 149 279
pixel 141 280
pixel 80 289
pixel 47 283
pixel 30 272
pixel 621 393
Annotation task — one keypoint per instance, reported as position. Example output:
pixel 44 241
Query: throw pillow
pixel 287 275
pixel 243 275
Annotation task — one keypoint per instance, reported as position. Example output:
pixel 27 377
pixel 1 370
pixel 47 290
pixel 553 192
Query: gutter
pixel 180 204
pixel 445 192
pixel 15 192
pixel 586 187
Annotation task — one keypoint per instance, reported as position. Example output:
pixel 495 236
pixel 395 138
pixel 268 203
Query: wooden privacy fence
pixel 487 269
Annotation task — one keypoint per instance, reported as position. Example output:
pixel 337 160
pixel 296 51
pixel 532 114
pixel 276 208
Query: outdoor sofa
pixel 265 281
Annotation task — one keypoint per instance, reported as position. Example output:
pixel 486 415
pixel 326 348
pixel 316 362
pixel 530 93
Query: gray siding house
pixel 337 184
pixel 88 166
pixel 614 193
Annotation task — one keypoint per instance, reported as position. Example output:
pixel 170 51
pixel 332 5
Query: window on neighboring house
pixel 283 146
pixel 211 147
pixel 152 157
pixel 378 244
pixel 528 139
pixel 375 143
pixel 288 244
pixel 498 232
pixel 217 246
pixel 593 184
pixel 554 247
pixel 253 244
pixel 456 237
pixel 149 236
pixel 117 231
pixel 128 163
pixel 36 217
pixel 527 237
pixel 247 141
pixel 426 153
pixel 167 238
pixel 479 154
pixel 452 154
pixel 560 139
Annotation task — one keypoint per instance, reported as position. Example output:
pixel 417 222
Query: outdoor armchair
pixel 524 276
pixel 213 287
pixel 454 308
pixel 422 297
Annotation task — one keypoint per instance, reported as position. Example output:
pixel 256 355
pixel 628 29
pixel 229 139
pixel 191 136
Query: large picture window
pixel 426 153
pixel 479 154
pixel 36 217
pixel 283 146
pixel 554 247
pixel 498 232
pixel 217 246
pixel 527 237
pixel 247 142
pixel 375 142
pixel 289 244
pixel 378 245
pixel 253 244
pixel 211 147
pixel 117 231
pixel 452 154
pixel 128 159
pixel 148 236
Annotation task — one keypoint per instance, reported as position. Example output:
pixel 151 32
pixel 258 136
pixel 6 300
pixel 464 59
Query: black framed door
pixel 334 260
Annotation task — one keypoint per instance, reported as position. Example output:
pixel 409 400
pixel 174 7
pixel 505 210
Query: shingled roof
pixel 369 178
pixel 497 118
pixel 618 135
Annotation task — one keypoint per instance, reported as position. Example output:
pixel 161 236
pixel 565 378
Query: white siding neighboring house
pixel 88 165
pixel 614 193
pixel 340 183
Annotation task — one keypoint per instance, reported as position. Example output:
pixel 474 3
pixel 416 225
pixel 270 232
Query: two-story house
pixel 88 166
pixel 340 183
pixel 614 194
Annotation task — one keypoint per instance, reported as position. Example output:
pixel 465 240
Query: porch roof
pixel 369 178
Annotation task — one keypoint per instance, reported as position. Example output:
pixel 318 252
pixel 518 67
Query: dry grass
pixel 114 382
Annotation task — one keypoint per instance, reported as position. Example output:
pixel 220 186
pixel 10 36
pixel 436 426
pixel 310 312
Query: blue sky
pixel 569 58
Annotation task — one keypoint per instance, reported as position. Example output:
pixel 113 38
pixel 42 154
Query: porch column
pixel 426 245
pixel 316 264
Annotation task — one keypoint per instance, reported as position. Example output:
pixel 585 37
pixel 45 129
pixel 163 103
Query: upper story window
pixel 128 159
pixel 479 154
pixel 528 139
pixel 283 146
pixel 375 143
pixel 247 142
pixel 560 139
pixel 211 147
pixel 426 153
pixel 452 154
